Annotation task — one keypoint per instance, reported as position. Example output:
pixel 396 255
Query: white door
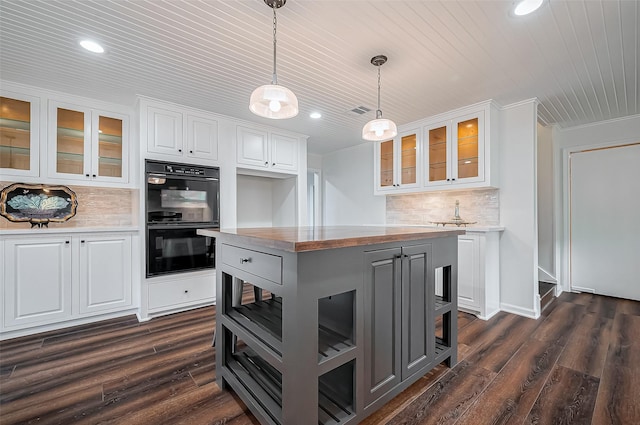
pixel 605 221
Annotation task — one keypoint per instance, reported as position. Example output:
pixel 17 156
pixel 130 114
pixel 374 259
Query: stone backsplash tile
pixel 479 205
pixel 97 207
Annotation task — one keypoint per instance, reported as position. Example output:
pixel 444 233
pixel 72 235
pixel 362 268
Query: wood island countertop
pixel 301 239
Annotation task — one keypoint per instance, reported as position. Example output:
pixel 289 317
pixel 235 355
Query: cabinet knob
pixel 186 291
pixel 94 176
pixel 179 150
pixel 245 260
pixel 453 180
pixel 266 163
pixel 190 151
pixel 274 164
pixel 87 175
pixel 448 180
pixel 82 241
pixel 66 242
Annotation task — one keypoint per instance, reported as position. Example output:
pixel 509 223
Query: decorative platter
pixel 39 204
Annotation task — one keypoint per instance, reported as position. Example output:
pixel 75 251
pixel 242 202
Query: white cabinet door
pixel 468 272
pixel 284 152
pixel 105 273
pixel 164 131
pixel 253 147
pixel 19 134
pixel 37 281
pixel 202 137
pixel 87 144
pixel 397 163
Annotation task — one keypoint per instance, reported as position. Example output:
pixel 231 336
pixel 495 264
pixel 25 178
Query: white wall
pixel 605 133
pixel 255 201
pixel 518 210
pixel 348 188
pixel 546 236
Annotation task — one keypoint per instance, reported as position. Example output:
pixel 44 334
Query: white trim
pixel 514 309
pixel 490 315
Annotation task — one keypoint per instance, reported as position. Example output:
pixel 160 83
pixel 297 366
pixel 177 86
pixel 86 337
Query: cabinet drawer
pixel 169 294
pixel 257 263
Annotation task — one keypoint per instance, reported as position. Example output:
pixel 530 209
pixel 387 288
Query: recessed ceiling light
pixel 524 7
pixel 92 46
pixel 315 115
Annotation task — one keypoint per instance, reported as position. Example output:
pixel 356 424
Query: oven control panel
pixel 187 171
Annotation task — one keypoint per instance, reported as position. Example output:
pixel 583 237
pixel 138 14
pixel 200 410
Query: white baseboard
pixel 526 312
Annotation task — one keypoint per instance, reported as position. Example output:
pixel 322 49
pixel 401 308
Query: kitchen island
pixel 351 319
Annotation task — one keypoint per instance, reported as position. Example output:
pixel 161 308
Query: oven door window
pixel 178 250
pixel 182 200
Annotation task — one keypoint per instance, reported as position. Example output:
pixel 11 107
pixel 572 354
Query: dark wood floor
pixel 578 364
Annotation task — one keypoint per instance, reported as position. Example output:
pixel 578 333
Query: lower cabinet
pixel 401 311
pixel 479 273
pixel 57 278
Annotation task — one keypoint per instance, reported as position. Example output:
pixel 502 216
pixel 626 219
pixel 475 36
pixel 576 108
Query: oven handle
pixel 181 226
pixel 181 176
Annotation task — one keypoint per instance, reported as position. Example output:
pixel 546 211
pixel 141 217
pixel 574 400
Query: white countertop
pixel 473 228
pixel 65 230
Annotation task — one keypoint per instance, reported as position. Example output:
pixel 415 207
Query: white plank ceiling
pixel 579 58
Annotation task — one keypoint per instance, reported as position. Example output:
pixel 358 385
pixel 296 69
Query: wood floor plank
pixel 558 326
pixel 501 343
pixel 618 395
pixel 582 298
pixel 603 306
pixel 631 307
pixel 587 347
pixel 568 397
pixel 446 401
pixel 512 394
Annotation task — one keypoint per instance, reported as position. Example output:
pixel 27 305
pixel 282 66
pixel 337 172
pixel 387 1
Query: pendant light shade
pixel 272 100
pixel 380 128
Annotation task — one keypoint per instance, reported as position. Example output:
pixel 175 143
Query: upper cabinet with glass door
pixel 19 134
pixel 397 163
pixel 460 150
pixel 88 144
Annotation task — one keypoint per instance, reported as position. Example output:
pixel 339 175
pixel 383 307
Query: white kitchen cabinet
pixel 453 150
pixel 460 149
pixel 105 273
pixel 56 278
pixel 174 293
pixel 265 150
pixel 87 144
pixel 479 273
pixel 179 132
pixel 397 164
pixel 19 134
pixel 37 281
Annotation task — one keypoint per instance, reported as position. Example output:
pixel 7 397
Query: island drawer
pixel 266 266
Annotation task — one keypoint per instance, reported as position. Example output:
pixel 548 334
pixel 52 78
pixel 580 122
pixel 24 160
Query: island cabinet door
pixel 417 317
pixel 382 337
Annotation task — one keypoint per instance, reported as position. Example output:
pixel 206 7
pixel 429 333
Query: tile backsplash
pixel 479 205
pixel 97 207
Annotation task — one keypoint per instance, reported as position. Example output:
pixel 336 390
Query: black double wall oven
pixel 180 199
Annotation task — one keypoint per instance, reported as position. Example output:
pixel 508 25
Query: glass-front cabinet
pixel 87 144
pixel 398 162
pixel 454 151
pixel 19 134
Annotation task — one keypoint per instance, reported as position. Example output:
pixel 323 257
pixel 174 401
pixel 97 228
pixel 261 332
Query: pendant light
pixel 271 100
pixel 380 128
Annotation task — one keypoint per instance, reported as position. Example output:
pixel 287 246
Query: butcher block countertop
pixel 301 239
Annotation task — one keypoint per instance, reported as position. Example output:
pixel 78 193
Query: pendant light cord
pixel 378 111
pixel 274 79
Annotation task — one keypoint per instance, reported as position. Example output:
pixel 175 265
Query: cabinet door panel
pixel 37 281
pixel 252 147
pixel 202 137
pixel 105 273
pixel 467 150
pixel 284 152
pixel 468 272
pixel 110 146
pixel 382 322
pixel 387 169
pixel 164 131
pixel 19 134
pixel 417 299
pixel 437 154
pixel 70 131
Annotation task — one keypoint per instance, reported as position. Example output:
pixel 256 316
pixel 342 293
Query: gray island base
pixel 350 321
